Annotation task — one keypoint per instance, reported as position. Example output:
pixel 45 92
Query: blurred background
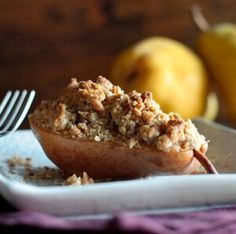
pixel 45 43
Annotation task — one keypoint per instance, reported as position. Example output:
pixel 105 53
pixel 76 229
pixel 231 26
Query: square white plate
pixel 151 194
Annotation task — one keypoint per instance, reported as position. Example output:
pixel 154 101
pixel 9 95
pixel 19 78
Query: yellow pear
pixel 170 70
pixel 218 49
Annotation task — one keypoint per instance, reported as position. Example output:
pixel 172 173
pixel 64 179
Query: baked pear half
pixel 98 128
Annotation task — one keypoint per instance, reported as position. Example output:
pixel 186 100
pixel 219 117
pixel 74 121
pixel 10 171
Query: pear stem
pixel 199 19
pixel 205 162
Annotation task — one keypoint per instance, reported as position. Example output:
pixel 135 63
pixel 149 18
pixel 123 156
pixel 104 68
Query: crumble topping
pixel 16 161
pixel 81 180
pixel 101 111
pixel 46 173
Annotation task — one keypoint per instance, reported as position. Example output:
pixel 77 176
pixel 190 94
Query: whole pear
pixel 169 69
pixel 218 49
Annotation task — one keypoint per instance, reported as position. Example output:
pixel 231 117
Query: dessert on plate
pixel 98 128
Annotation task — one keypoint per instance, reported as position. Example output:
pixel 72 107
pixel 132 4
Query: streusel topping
pixel 101 111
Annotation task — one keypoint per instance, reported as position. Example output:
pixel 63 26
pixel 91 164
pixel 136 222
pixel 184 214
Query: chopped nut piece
pixel 97 138
pixel 74 180
pixel 19 161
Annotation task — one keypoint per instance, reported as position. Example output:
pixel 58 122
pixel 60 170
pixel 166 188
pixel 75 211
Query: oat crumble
pixel 81 180
pixel 101 111
pixel 46 173
pixel 16 161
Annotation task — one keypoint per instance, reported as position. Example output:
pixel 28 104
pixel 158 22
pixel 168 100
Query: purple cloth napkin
pixel 217 221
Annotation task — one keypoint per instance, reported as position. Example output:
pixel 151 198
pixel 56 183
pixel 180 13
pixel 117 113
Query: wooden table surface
pixel 45 43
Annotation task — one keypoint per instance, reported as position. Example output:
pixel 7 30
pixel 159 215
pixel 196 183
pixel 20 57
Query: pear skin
pixel 218 49
pixel 170 70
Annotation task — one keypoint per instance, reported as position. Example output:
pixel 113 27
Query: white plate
pixel 156 193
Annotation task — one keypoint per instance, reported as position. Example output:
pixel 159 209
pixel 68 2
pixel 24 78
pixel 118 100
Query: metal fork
pixel 13 109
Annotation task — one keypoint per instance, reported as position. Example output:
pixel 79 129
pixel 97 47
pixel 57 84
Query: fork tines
pixel 13 109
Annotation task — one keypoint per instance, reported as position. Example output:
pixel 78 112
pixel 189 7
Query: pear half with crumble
pixel 97 128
